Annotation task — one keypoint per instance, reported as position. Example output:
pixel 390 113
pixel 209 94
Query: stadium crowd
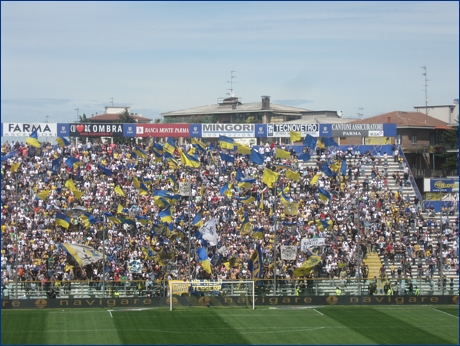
pixel 150 228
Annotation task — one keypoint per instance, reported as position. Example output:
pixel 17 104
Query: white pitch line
pixel 318 312
pixel 446 313
pixel 110 312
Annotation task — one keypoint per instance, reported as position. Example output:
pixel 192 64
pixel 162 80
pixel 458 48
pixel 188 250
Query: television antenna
pixel 231 84
pixel 425 90
pixel 360 114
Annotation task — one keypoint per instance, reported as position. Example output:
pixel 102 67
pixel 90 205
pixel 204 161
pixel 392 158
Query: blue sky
pixel 163 56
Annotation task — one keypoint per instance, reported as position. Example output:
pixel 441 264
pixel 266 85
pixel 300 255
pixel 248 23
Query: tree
pixel 125 117
pixel 450 142
pixel 157 121
pixel 83 119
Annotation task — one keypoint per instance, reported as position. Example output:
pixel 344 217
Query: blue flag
pixel 227 158
pixel 256 157
pixel 329 142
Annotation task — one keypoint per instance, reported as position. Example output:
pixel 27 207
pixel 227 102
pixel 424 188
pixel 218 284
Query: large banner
pixel 96 130
pixel 25 129
pixel 206 285
pixel 162 130
pixel 283 130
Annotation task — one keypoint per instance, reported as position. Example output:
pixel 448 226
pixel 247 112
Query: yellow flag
pixel 243 149
pixel 292 175
pixel 120 209
pixel 78 194
pixel 295 136
pixel 14 167
pixel 314 180
pixel 202 190
pixel 119 191
pixel 282 154
pixel 43 194
pixel 70 185
pixel 136 183
pixel 320 145
pixel 336 166
pixel 269 177
pixel 261 205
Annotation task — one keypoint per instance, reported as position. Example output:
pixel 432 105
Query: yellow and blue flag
pixel 226 142
pixel 197 221
pixel 112 218
pixel 204 259
pixel 323 194
pixel 255 265
pixel 169 146
pixel 246 183
pixel 62 142
pixel 62 220
pixel 165 215
pixel 189 160
pixel 246 200
pixel 199 145
pixel 32 140
pixel 73 162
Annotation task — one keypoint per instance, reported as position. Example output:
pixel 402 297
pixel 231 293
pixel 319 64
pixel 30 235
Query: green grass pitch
pixel 265 325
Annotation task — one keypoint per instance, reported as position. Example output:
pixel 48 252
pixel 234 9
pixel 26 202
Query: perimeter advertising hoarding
pixel 441 185
pixel 162 130
pixel 357 130
pixel 129 130
pixel 25 129
pixel 96 130
pixel 283 130
pixel 229 130
pixel 62 303
pixel 63 130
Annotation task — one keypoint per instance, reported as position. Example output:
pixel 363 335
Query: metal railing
pixel 411 177
pixel 267 287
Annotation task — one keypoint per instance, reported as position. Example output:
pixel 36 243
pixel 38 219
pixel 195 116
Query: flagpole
pixel 104 226
pixel 274 243
pixel 189 228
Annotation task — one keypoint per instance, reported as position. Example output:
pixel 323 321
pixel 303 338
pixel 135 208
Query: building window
pixel 432 138
pixel 414 138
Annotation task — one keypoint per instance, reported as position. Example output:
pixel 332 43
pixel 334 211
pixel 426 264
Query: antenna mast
pixel 231 83
pixel 425 90
pixel 360 114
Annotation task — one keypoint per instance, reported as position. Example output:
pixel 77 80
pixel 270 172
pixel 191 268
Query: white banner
pixel 209 232
pixel 25 129
pixel 288 252
pixel 82 254
pixel 185 188
pixel 311 242
pixel 135 267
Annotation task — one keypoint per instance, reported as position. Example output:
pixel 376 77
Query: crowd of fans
pixel 364 215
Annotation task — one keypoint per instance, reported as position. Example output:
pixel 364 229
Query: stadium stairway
pixel 374 264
